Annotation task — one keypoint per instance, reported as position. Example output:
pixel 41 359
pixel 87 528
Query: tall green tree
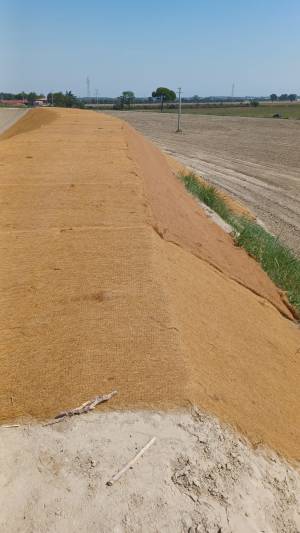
pixel 284 97
pixel 165 95
pixel 128 98
pixel 60 99
pixel 70 99
pixel 31 97
pixel 274 97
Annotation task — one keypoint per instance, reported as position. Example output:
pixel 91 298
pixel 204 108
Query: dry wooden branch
pixel 87 406
pixel 12 426
pixel 53 422
pixel 131 463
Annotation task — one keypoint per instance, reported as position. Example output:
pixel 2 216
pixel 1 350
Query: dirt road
pixel 8 116
pixel 256 160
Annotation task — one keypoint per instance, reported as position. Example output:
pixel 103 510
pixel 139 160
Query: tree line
pixel 161 94
pixel 67 99
pixel 26 97
pixel 58 99
pixel 283 97
pixel 127 98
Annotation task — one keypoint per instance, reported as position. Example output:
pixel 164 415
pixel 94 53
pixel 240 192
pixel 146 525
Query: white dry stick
pixel 131 463
pixel 87 406
pixel 12 426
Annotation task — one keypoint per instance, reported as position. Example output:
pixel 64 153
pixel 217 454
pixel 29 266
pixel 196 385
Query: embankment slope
pixel 113 278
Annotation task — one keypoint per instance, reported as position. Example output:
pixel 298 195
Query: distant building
pixel 13 103
pixel 40 102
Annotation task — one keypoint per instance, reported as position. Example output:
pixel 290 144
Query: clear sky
pixel 202 45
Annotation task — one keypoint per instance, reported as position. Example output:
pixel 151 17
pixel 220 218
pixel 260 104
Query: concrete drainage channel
pixel 216 218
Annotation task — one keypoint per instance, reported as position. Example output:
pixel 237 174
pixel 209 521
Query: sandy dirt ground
pixel 113 277
pixel 8 116
pixel 198 477
pixel 256 160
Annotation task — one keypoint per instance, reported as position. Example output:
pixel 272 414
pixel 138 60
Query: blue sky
pixel 201 45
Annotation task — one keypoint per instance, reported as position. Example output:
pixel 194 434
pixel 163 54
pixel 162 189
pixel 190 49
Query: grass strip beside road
pixel 278 261
pixel 276 111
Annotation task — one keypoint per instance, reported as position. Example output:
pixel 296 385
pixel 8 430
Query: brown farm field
pixel 256 160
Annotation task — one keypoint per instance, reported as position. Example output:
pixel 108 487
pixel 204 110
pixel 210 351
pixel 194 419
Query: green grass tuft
pixel 208 195
pixel 278 261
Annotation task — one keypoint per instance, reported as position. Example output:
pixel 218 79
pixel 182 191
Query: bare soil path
pixel 256 160
pixel 198 477
pixel 8 117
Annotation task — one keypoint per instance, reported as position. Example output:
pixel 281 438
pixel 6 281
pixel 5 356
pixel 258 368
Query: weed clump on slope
pixel 208 195
pixel 278 261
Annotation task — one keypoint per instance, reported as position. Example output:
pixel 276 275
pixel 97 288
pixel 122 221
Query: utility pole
pixel 232 90
pixel 179 130
pixel 88 87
